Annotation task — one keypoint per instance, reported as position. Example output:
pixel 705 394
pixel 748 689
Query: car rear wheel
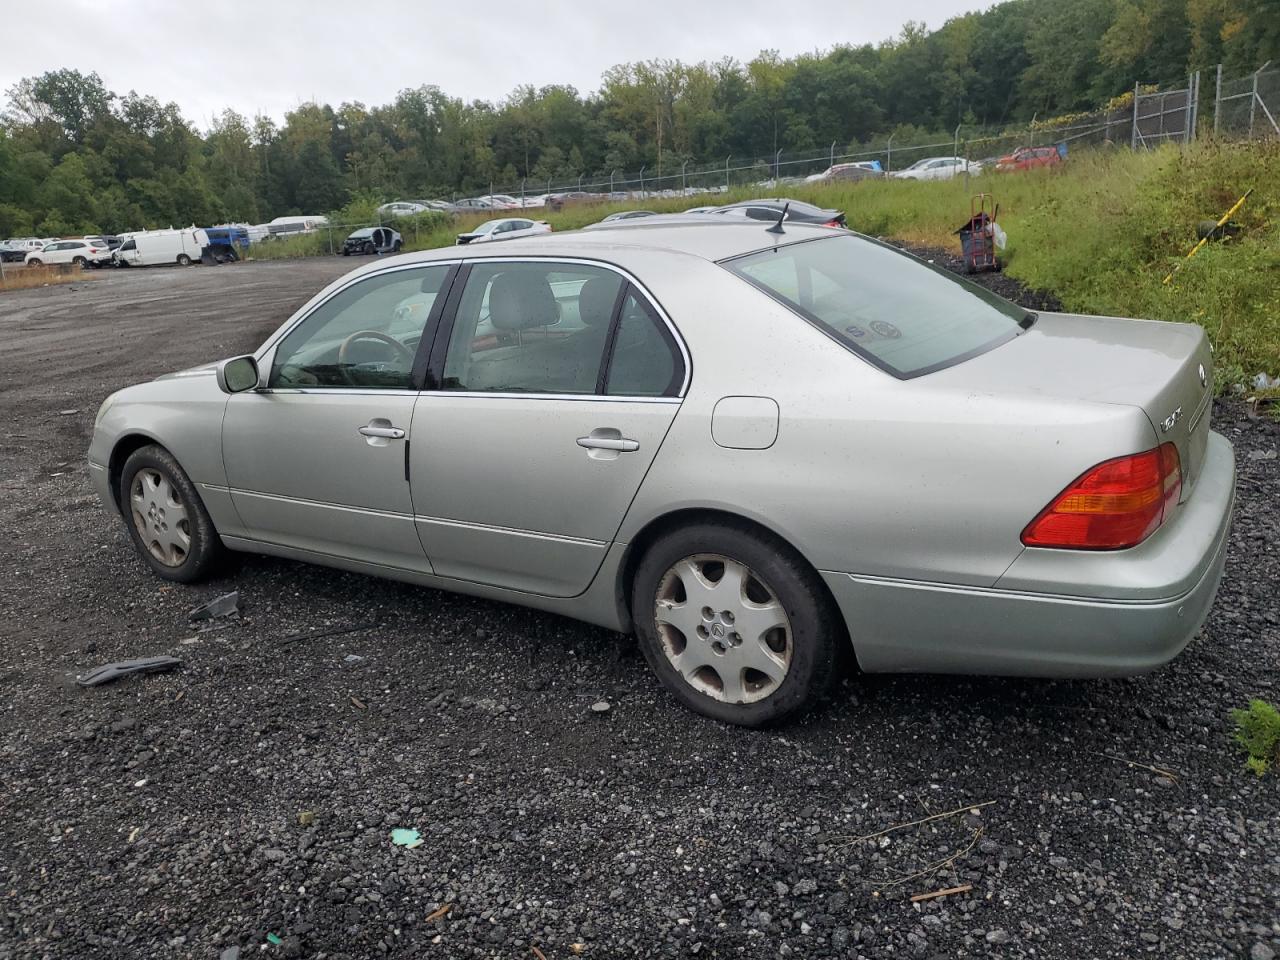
pixel 166 519
pixel 184 260
pixel 397 246
pixel 34 262
pixel 736 624
pixel 79 262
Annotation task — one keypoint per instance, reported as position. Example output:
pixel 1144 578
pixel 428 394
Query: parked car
pixel 403 208
pixel 475 204
pixel 86 253
pixel 771 209
pixel 861 170
pixel 628 215
pixel 148 248
pixel 936 168
pixel 372 240
pixel 1028 158
pixel 873 452
pixel 106 244
pixel 508 228
pixel 701 210
pixel 558 201
pixel 17 248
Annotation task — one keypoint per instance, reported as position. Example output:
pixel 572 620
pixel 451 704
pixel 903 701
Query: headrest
pixel 595 300
pixel 519 300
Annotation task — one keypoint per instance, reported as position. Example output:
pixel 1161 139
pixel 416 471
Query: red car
pixel 1026 158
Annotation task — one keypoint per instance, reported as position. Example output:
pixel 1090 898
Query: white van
pixel 152 247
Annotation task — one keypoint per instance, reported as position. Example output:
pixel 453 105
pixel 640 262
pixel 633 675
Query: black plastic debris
pixel 123 668
pixel 224 606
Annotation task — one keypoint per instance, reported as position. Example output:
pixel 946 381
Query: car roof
pixel 695 235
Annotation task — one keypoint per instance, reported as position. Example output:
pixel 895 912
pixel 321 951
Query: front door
pixel 317 461
pixel 558 382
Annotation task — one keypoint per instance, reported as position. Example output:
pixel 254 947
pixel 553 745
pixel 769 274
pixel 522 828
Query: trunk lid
pixel 1166 369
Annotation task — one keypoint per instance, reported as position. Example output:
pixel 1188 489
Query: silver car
pixel 752 447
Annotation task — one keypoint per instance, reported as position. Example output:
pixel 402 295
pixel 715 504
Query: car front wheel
pixel 166 519
pixel 736 625
pixel 33 262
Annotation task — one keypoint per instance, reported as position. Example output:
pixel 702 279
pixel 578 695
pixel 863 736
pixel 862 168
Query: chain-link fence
pixel 1249 106
pixel 1155 115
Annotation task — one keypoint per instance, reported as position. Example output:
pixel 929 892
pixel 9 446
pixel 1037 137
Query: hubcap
pixel 160 517
pixel 723 628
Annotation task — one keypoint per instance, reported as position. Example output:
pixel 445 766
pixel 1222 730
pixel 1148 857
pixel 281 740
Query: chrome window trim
pixel 266 351
pixel 590 397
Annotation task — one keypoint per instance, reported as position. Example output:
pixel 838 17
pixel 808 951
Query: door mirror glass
pixel 238 375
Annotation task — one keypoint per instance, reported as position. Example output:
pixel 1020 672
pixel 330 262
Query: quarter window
pixel 366 335
pixel 644 362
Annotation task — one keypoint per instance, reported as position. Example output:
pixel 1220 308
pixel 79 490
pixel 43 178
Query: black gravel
pixel 252 793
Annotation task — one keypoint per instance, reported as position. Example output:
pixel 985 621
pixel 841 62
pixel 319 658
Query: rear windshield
pixel 906 316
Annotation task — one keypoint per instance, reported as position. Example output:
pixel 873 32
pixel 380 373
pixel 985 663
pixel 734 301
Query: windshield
pixel 906 316
pixel 486 227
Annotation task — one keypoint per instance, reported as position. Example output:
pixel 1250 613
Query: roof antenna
pixel 777 227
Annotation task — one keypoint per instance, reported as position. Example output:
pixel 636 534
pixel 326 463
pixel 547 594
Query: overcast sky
pixel 269 56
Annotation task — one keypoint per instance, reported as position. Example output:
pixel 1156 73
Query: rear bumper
pixel 900 626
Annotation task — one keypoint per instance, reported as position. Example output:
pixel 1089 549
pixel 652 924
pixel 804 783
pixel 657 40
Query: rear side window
pixel 906 316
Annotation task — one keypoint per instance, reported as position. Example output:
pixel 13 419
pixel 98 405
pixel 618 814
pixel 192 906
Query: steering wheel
pixel 400 349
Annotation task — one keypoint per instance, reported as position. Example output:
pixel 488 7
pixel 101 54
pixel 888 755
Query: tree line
pixel 76 157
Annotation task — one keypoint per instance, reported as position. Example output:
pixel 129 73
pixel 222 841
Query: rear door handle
pixel 621 444
pixel 387 433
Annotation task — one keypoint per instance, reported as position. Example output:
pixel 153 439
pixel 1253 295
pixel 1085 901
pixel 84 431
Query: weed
pixel 1258 732
pixel 25 278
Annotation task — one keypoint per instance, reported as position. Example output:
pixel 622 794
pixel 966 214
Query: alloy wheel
pixel 723 628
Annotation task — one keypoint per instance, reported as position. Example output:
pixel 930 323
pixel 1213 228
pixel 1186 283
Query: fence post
pixel 330 232
pixel 684 182
pixel 955 142
pixel 888 153
pixel 833 154
pixel 1253 100
pixel 642 169
pixel 1133 136
pixel 611 173
pixel 726 173
pixel 1187 118
pixel 777 157
pixel 579 183
pixel 1217 102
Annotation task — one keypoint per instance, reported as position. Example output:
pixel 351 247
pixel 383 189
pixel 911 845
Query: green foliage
pixel 1258 734
pixel 143 165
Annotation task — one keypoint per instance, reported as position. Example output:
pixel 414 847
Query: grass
pixel 1100 233
pixel 1258 734
pixel 25 278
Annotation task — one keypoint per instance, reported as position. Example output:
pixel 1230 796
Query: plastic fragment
pixel 122 668
pixel 223 606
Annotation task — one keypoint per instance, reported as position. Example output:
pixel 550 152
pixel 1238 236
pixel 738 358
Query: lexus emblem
pixel 1204 380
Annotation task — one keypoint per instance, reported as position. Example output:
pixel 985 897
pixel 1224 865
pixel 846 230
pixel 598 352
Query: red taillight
pixel 1117 504
pixel 833 223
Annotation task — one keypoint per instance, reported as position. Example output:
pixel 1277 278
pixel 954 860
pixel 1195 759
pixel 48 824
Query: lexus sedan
pixel 752 447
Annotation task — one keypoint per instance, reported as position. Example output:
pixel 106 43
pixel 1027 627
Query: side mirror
pixel 238 375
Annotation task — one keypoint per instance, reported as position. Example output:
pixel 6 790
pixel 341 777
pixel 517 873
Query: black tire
pixel 34 262
pixel 816 630
pixel 184 260
pixel 368 249
pixel 346 252
pixel 80 262
pixel 205 548
pixel 396 247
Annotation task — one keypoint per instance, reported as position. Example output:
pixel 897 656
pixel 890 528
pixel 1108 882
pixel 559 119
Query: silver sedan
pixel 751 447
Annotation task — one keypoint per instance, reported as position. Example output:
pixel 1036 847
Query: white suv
pixel 84 252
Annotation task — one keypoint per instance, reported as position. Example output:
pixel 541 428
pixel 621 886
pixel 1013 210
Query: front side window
pixel 531 328
pixel 904 315
pixel 365 336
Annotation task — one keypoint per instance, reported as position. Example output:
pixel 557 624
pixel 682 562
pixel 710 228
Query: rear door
pixel 555 384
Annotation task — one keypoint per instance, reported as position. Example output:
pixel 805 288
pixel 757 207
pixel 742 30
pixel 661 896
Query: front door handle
pixel 621 444
pixel 379 432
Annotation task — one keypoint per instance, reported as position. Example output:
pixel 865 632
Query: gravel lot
pixel 253 792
